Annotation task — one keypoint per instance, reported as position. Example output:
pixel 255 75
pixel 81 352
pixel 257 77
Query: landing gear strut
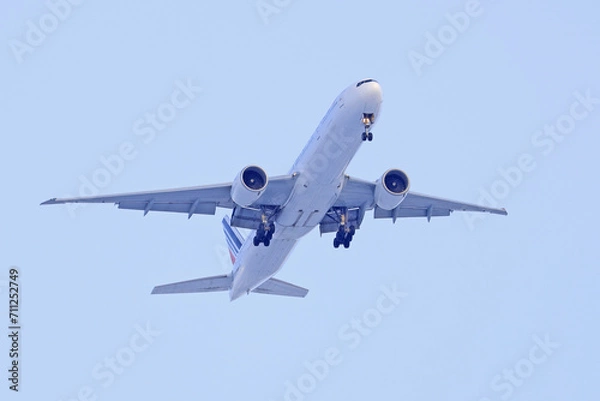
pixel 367 121
pixel 344 233
pixel 264 233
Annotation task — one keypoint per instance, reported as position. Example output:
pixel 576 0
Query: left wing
pixel 192 200
pixel 359 195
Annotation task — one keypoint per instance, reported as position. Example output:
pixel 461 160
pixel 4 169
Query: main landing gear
pixel 344 236
pixel 344 233
pixel 367 121
pixel 264 233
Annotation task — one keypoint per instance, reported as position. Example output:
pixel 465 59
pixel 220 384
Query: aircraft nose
pixel 370 96
pixel 370 91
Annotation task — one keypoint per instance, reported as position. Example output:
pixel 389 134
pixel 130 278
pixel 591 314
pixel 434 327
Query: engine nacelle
pixel 391 189
pixel 249 185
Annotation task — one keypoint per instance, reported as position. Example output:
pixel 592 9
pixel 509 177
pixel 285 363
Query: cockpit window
pixel 364 82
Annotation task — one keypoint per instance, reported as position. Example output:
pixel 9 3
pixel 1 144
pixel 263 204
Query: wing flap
pixel 190 208
pixel 409 212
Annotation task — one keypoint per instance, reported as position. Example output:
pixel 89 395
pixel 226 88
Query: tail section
pixel 233 237
pixel 225 282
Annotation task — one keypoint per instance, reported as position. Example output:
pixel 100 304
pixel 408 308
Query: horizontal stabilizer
pixel 278 287
pixel 207 284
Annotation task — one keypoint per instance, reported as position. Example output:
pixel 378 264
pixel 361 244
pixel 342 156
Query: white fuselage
pixel 320 169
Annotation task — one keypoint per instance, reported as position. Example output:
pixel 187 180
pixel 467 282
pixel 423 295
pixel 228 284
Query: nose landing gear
pixel 367 121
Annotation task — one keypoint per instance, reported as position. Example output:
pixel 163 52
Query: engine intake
pixel 391 189
pixel 249 185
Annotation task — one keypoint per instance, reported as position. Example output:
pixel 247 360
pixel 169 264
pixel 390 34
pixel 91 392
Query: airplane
pixel 282 209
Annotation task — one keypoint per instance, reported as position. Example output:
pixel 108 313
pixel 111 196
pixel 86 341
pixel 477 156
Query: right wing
pixel 358 196
pixel 192 200
pixel 418 205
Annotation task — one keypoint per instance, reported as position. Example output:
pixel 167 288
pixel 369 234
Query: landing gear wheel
pixel 345 232
pixel 265 230
pixel 367 120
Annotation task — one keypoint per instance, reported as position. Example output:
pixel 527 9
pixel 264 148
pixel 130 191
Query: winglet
pixel 51 201
pixel 501 212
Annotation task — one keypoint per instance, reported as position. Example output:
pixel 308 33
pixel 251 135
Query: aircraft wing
pixel 191 200
pixel 356 193
pixel 359 194
pixel 418 205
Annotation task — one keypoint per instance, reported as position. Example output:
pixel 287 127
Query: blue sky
pixel 493 101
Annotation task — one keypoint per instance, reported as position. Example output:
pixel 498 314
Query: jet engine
pixel 391 189
pixel 249 185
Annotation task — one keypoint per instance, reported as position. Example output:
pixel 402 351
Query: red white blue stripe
pixel 233 237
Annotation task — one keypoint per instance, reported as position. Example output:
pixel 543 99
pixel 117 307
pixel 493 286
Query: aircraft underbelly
pixel 321 171
pixel 256 264
pixel 306 210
